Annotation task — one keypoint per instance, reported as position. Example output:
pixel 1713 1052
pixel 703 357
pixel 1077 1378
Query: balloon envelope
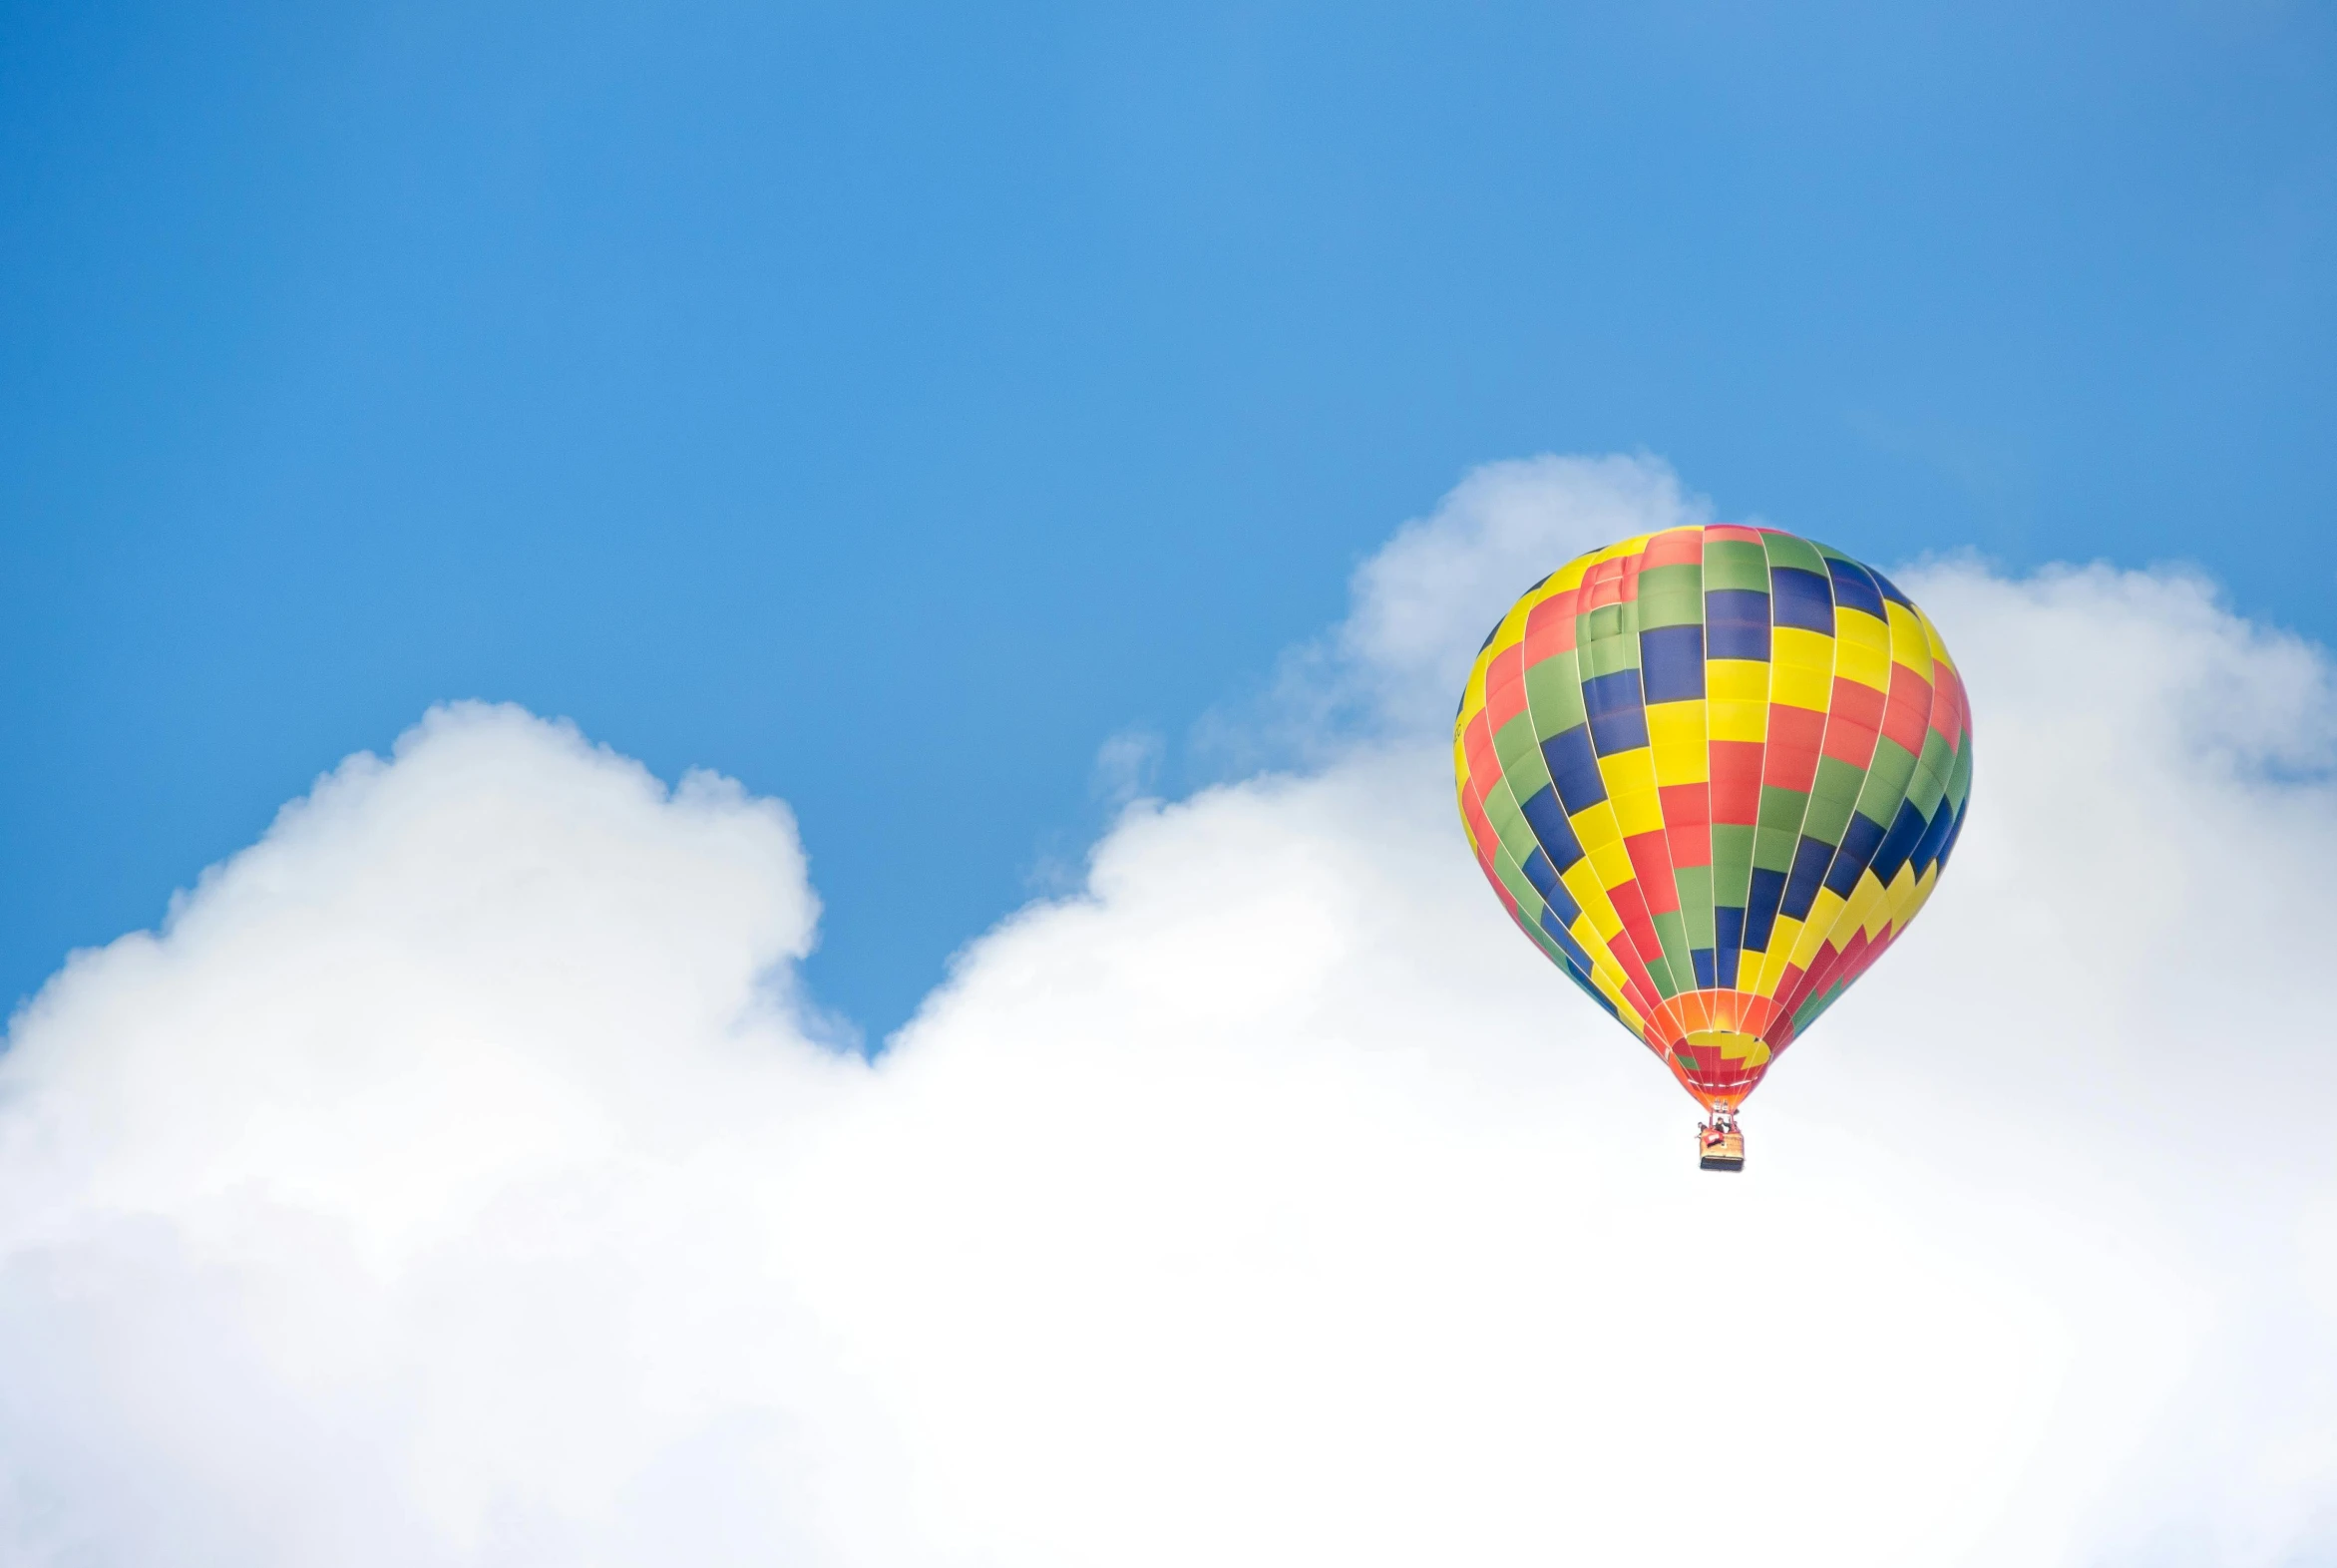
pixel 1713 773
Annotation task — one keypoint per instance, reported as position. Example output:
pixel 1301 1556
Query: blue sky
pixel 889 406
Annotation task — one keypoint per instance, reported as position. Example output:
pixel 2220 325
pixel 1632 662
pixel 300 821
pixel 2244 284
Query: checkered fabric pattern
pixel 1713 773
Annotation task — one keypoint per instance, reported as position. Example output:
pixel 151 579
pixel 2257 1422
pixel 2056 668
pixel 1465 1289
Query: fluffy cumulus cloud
pixel 454 1178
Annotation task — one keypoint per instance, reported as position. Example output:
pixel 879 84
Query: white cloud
pixel 1126 766
pixel 452 1180
pixel 1423 603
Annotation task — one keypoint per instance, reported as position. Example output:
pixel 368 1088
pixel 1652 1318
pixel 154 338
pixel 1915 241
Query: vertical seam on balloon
pixel 1768 698
pixel 1501 769
pixel 1790 1003
pixel 1841 920
pixel 1712 899
pixel 1679 985
pixel 1811 795
pixel 1711 865
pixel 1761 770
pixel 1639 676
pixel 1651 1003
pixel 1646 1003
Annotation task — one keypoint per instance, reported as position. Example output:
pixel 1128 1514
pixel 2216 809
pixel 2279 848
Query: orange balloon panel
pixel 1713 773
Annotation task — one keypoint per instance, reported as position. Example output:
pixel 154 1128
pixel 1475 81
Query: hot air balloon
pixel 1713 773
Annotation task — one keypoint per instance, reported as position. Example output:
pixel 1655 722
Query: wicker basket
pixel 1724 1153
